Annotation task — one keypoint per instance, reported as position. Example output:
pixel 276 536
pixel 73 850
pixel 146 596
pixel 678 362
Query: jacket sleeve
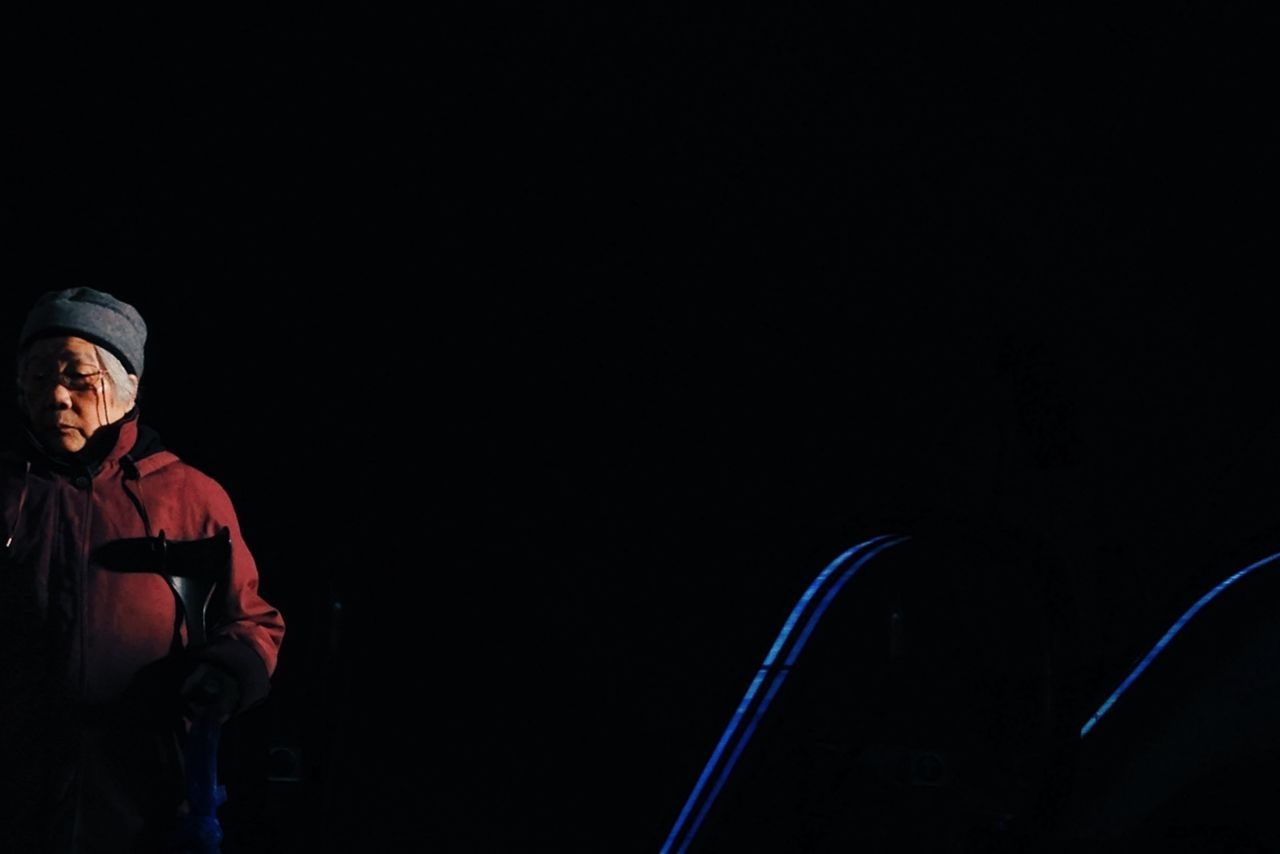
pixel 245 637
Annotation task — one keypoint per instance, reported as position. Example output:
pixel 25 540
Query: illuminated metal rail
pixel 1167 638
pixel 813 603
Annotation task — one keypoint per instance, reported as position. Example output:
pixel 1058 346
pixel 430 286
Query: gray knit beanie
pixel 92 315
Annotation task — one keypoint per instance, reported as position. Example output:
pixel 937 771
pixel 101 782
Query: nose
pixel 59 397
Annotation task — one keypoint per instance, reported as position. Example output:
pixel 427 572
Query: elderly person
pixel 96 669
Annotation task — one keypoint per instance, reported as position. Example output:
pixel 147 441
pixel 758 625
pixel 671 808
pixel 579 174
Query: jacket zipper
pixel 82 610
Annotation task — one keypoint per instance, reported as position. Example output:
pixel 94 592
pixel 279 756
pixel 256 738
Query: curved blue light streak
pixel 715 756
pixel 810 593
pixel 831 594
pixel 797 612
pixel 733 759
pixel 1168 636
pixel 743 706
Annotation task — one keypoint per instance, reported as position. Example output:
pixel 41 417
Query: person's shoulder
pixel 169 463
pixel 170 473
pixel 163 464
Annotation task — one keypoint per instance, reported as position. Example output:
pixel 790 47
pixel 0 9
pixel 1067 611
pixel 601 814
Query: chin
pixel 64 444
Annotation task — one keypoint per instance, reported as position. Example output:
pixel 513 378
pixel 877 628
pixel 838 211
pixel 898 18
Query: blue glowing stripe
pixel 715 756
pixel 831 595
pixel 783 636
pixel 732 728
pixel 733 758
pixel 747 699
pixel 1168 636
pixel 810 593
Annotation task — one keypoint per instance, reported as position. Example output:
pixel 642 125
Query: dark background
pixel 562 347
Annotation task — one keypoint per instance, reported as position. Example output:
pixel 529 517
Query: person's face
pixel 65 393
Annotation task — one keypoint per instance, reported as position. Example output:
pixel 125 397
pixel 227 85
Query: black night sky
pixel 564 346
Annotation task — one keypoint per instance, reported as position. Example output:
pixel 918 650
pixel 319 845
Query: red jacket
pixel 76 638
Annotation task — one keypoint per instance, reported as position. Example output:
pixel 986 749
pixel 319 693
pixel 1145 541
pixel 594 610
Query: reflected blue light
pixel 871 548
pixel 733 758
pixel 1168 636
pixel 831 594
pixel 810 593
pixel 715 756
